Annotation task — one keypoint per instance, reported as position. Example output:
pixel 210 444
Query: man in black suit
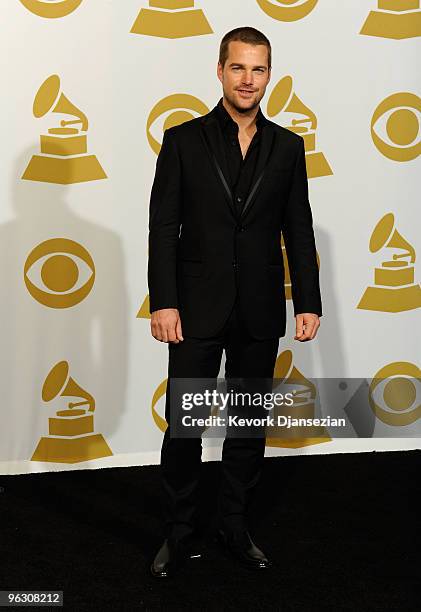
pixel 226 185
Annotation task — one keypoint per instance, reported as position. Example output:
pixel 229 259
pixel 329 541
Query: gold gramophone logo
pixel 171 19
pixel 303 407
pixel 63 158
pixel 287 274
pixel 401 382
pixel 394 19
pixel 283 99
pixel 402 113
pixel 287 10
pixel 66 269
pixel 394 287
pixel 181 108
pixel 71 436
pixel 51 9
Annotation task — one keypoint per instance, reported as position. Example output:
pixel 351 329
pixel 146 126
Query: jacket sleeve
pixel 164 226
pixel 297 230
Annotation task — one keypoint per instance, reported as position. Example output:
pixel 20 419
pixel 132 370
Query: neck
pixel 246 121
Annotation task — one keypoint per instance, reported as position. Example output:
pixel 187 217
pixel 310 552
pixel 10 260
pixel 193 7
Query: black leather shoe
pixel 171 557
pixel 240 546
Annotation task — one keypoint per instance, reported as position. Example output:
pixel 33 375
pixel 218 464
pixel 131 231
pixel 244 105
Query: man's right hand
pixel 166 325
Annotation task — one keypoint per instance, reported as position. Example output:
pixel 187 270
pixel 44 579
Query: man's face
pixel 245 75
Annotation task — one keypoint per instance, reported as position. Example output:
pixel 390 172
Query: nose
pixel 248 77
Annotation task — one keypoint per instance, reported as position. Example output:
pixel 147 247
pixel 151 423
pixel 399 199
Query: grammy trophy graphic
pixel 395 288
pixel 63 158
pixel 397 19
pixel 303 406
pixel 71 436
pixel 171 19
pixel 284 99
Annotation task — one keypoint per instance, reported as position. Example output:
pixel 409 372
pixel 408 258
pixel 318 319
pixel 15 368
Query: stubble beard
pixel 254 103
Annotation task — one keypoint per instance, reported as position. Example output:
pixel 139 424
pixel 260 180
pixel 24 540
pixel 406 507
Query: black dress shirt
pixel 241 170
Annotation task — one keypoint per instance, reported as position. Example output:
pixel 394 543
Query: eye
pixel 64 268
pixel 287 10
pixel 177 108
pixel 398 117
pixel 395 393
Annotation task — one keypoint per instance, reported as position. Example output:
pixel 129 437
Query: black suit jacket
pixel 201 253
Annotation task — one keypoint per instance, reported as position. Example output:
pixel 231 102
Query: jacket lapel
pixel 266 146
pixel 214 145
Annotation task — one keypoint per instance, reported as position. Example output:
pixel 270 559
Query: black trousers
pixel 242 458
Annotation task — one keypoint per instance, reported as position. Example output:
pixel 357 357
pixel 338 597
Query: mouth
pixel 245 93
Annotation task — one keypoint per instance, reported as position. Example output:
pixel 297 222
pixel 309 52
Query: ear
pixel 219 71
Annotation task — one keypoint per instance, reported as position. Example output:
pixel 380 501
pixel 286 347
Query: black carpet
pixel 344 530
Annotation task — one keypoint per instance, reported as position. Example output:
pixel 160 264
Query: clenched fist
pixel 166 325
pixel 307 324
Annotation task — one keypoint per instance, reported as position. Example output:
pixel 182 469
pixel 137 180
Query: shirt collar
pixel 225 118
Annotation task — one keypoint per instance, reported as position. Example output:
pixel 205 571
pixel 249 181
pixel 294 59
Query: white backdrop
pixel 116 77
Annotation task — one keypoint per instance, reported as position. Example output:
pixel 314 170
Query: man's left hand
pixel 307 324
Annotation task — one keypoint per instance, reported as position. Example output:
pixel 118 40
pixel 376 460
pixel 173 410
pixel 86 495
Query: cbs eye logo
pixel 396 386
pixel 287 10
pixel 180 108
pixel 400 116
pixel 54 262
pixel 160 421
pixel 51 9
